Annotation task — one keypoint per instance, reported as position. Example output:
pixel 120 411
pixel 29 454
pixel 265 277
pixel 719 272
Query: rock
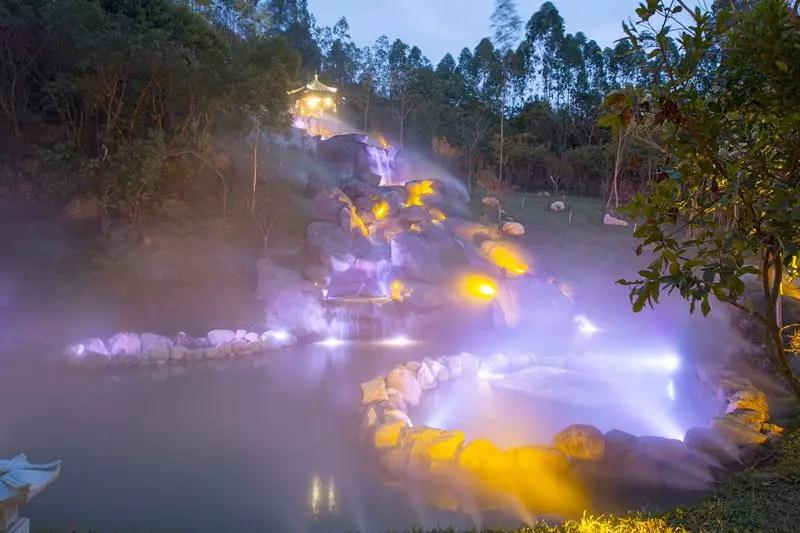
pixel 712 444
pixel 240 333
pixel 491 201
pixel 90 346
pixel 403 380
pixel 426 378
pixel 430 449
pixel 725 388
pixel 159 355
pixel 396 398
pixel 581 442
pixel 748 417
pixel 413 215
pixel 187 341
pixel 218 337
pixel 514 309
pixel 470 363
pixel 394 462
pixel 82 208
pixel 291 304
pixel 317 274
pixel 373 391
pixel 252 336
pixel 621 447
pixel 328 203
pixel 737 433
pixel 125 344
pixel 178 353
pixel 333 246
pixel 454 365
pixel 438 369
pixel 387 434
pixel 413 366
pixel 417 257
pixel 364 158
pixel 664 450
pixel 772 428
pixel 558 205
pixel 514 228
pixel 751 399
pixel 211 353
pixel 273 340
pixel 497 362
pixel 196 354
pixel 151 342
pixel 613 221
pixel 536 459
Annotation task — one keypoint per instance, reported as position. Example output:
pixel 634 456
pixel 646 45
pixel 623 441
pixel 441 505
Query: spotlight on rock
pixel 478 288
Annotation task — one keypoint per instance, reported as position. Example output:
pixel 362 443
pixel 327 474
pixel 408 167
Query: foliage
pixel 728 205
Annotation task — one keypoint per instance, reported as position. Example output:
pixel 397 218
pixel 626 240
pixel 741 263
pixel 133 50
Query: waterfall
pixel 380 162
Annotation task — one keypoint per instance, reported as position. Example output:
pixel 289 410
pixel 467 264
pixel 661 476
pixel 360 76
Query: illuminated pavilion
pixel 315 100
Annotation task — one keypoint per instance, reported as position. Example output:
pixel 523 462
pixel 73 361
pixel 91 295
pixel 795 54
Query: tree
pixel 728 205
pixel 506 25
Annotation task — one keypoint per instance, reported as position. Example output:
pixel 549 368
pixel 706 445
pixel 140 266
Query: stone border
pixel 127 349
pixel 445 458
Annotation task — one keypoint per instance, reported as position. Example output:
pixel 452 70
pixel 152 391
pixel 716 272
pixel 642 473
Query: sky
pixel 441 26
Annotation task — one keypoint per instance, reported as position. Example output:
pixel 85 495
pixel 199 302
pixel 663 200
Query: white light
pixel 585 327
pixel 671 389
pixel 398 342
pixel 330 342
pixel 280 335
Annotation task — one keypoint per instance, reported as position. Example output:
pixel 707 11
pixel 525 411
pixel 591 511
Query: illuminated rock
pixel 394 462
pixel 430 449
pixel 403 380
pixel 196 354
pixel 396 398
pixel 582 442
pixel 125 344
pixel 417 257
pixel 514 228
pixel 387 434
pixel 438 369
pixel 454 365
pixel 613 221
pixel 748 417
pixel 752 399
pixel 290 302
pixel 558 205
pixel 505 257
pixel 413 215
pixel 218 337
pixel 373 391
pixel 95 346
pixel 736 432
pixel 426 377
pixel 333 246
pixel 481 456
pixel 535 459
pixel 491 201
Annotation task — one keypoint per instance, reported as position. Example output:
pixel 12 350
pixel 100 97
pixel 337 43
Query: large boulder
pixel 417 257
pixel 218 337
pixel 328 203
pixel 367 160
pixel 152 342
pixel 291 302
pixel 736 432
pixel 405 382
pixel 125 344
pixel 333 246
pixel 581 442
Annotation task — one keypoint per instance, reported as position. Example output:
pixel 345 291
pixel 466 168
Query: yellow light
pixel 478 287
pixel 381 210
pixel 417 190
pixel 328 101
pixel 505 258
pixel 312 102
pixel 398 291
pixel 437 215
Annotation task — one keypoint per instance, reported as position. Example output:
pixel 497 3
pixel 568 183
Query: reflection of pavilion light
pixel 398 342
pixel 330 342
pixel 316 496
pixel 671 389
pixel 331 496
pixel 585 327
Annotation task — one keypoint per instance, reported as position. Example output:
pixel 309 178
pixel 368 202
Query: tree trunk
pixel 773 323
pixel 256 144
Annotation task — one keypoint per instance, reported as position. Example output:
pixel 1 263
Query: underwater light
pixel 398 342
pixel 478 287
pixel 330 342
pixel 280 335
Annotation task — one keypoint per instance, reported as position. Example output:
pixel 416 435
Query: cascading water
pixel 381 163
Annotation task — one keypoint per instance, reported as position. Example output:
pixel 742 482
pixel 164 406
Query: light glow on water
pixel 331 342
pixel 400 341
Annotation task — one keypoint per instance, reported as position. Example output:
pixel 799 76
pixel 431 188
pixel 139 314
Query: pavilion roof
pixel 315 86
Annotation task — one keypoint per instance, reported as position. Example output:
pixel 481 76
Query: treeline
pixel 547 86
pixel 113 88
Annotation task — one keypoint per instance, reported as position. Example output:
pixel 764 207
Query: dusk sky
pixel 441 26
